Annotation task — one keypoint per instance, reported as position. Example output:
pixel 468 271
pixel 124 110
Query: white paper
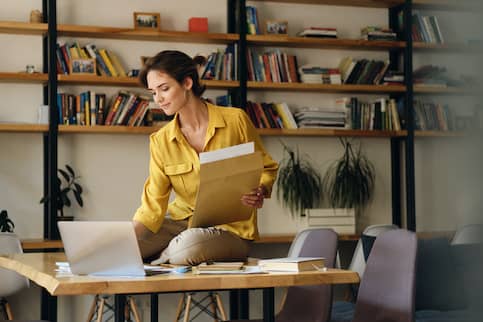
pixel 226 153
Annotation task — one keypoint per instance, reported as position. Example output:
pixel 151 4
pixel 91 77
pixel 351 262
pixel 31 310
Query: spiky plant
pixel 299 185
pixel 6 224
pixel 349 181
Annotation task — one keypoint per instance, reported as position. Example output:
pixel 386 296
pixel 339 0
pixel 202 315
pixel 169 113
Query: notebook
pixel 102 248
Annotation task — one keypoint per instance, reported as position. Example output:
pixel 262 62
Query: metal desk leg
pixel 119 304
pixel 239 304
pixel 154 308
pixel 48 306
pixel 268 304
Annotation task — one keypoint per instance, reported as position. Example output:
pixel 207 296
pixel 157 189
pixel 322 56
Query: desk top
pixel 40 268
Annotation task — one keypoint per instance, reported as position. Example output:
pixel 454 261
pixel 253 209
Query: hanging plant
pixel 349 181
pixel 299 185
pixel 6 224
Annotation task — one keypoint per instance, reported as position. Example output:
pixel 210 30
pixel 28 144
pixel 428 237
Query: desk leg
pixel 119 305
pixel 154 308
pixel 48 306
pixel 268 304
pixel 239 304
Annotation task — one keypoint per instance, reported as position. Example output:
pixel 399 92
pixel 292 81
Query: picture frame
pixel 276 27
pixel 147 20
pixel 82 66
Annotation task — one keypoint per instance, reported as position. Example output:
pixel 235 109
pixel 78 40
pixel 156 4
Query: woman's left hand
pixel 254 198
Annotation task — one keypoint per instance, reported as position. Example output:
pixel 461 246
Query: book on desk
pixel 292 264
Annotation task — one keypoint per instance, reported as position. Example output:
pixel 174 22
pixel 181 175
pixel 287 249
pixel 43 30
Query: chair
pixel 469 234
pixel 11 282
pixel 102 310
pixel 387 289
pixel 310 303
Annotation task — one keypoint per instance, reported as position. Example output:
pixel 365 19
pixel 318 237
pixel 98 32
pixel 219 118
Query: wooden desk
pixel 40 268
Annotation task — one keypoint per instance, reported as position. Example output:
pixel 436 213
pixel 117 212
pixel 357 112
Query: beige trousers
pixel 176 244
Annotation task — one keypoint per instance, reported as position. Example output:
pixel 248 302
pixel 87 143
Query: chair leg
pixel 134 309
pixel 211 297
pixel 8 310
pixel 180 307
pixel 100 310
pixel 220 306
pixel 93 308
pixel 187 308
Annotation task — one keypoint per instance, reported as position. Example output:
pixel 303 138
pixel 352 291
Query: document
pixel 226 175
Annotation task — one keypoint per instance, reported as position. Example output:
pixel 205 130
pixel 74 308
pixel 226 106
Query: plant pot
pixel 65 218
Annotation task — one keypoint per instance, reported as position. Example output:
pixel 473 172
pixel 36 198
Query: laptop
pixel 102 248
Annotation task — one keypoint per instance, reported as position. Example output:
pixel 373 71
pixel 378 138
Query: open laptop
pixel 102 248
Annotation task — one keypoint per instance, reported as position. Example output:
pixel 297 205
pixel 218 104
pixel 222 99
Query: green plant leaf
pixel 71 171
pixel 65 175
pixel 78 188
pixel 78 197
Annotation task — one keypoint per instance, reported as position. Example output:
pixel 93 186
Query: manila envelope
pixel 222 184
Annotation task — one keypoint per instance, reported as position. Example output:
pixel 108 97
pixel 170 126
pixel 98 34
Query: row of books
pixel 426 29
pixel 362 71
pixel 275 66
pixel 380 114
pixel 378 33
pixel 433 116
pixel 221 65
pixel 90 108
pixel 106 61
pixel 271 115
pixel 319 75
pixel 321 118
pixel 253 23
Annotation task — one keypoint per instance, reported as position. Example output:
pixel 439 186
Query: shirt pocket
pixel 181 176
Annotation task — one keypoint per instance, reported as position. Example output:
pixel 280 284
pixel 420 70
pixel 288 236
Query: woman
pixel 198 126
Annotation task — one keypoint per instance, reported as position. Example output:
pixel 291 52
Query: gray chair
pixel 468 234
pixel 310 303
pixel 11 282
pixel 387 289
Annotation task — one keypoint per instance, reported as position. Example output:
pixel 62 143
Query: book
pixel 220 266
pixel 292 264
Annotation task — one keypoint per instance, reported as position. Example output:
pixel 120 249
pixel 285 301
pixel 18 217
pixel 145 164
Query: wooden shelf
pixel 330 132
pixel 464 5
pixel 108 129
pixel 23 128
pixel 308 42
pixel 439 134
pixel 351 3
pixel 23 28
pixel 422 89
pixel 150 35
pixel 12 77
pixel 326 88
pixel 448 48
pixel 131 81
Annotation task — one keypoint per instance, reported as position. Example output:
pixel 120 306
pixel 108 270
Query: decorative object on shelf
pixel 43 116
pixel 276 27
pixel 299 185
pixel 35 16
pixel 349 181
pixel 86 66
pixel 30 69
pixel 71 186
pixel 147 20
pixel 6 224
pixel 198 24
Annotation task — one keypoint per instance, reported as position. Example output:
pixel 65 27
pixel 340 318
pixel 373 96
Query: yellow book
pixel 108 62
pixel 116 63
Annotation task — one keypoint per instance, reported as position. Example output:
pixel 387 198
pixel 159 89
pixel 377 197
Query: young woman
pixel 163 227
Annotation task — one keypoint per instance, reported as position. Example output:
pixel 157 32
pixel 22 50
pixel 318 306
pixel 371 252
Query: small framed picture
pixel 147 20
pixel 276 27
pixel 86 66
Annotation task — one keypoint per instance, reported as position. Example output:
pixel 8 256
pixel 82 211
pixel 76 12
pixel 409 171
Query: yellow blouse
pixel 174 164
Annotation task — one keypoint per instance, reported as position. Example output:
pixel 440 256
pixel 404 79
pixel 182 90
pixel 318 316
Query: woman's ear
pixel 188 83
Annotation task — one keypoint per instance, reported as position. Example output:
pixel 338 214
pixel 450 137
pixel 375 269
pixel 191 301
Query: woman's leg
pixel 152 244
pixel 197 245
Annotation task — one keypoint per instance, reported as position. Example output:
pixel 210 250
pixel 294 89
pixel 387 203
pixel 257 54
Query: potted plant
pixel 299 185
pixel 67 187
pixel 6 224
pixel 349 181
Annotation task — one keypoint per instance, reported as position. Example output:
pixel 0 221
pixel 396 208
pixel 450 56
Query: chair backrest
pixel 310 303
pixel 468 234
pixel 11 281
pixel 358 263
pixel 387 290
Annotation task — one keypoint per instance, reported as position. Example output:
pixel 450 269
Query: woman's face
pixel 167 93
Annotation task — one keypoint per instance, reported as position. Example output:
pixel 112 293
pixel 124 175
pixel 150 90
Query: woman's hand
pixel 255 197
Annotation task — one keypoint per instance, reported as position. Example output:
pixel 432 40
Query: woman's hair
pixel 176 64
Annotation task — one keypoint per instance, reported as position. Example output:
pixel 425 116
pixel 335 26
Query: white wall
pixel 113 167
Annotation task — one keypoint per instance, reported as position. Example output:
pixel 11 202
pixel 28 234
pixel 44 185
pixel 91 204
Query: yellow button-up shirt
pixel 174 164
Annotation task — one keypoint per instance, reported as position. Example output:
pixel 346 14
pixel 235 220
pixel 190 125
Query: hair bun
pixel 199 60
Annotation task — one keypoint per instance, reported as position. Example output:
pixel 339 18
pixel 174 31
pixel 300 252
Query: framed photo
pixel 147 20
pixel 276 27
pixel 85 66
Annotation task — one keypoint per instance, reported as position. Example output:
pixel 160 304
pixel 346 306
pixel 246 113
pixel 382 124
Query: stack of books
pixel 319 75
pixel 362 71
pixel 321 118
pixel 377 33
pixel 218 268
